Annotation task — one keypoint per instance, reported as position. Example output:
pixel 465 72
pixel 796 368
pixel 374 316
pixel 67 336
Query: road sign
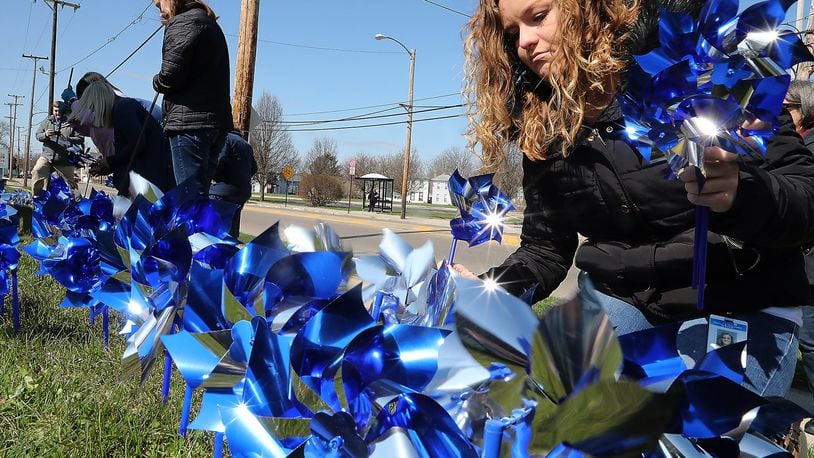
pixel 288 173
pixel 352 167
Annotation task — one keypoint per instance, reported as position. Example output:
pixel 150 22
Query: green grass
pixel 61 392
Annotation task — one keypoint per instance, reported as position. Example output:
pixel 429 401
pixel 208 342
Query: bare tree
pixel 5 134
pixel 273 148
pixel 321 159
pixel 393 167
pixel 365 163
pixel 454 158
pixel 509 174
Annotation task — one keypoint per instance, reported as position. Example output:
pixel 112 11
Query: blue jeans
pixel 771 351
pixel 807 344
pixel 195 154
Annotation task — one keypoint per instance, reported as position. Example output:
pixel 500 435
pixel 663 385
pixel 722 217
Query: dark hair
pixel 176 6
pixel 87 78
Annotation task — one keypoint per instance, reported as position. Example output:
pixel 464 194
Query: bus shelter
pixel 383 187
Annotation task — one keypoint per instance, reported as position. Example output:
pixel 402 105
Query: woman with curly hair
pixel 544 75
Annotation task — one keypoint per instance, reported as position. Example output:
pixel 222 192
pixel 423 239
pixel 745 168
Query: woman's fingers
pixel 464 272
pixel 721 184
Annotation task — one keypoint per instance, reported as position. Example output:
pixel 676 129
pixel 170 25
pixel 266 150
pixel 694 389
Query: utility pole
pixel 19 138
pixel 803 23
pixel 53 7
pixel 34 60
pixel 244 73
pixel 13 113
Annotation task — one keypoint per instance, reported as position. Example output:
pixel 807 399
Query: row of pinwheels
pixel 291 360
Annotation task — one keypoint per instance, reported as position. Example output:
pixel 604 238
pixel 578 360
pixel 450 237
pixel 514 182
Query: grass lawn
pixel 61 392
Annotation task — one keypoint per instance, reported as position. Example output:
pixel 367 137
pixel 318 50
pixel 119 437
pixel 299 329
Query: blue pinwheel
pixel 708 84
pixel 9 257
pixel 482 207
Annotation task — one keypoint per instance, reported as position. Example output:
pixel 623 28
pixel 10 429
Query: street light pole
pixel 409 107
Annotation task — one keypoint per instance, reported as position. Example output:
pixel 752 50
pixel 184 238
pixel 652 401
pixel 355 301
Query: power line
pixel 135 51
pixel 447 8
pixel 320 48
pixel 135 21
pixel 375 106
pixel 374 125
pixel 358 118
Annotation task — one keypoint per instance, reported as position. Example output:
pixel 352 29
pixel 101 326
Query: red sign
pixel 352 167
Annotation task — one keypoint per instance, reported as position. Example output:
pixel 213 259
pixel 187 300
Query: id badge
pixel 725 331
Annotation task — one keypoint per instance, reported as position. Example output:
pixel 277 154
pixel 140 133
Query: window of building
pixel 420 196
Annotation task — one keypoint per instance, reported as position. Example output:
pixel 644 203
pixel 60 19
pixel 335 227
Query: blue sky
pixel 351 71
pixel 317 57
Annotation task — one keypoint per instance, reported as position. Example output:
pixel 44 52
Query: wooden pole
pixel 52 75
pixel 244 73
pixel 34 60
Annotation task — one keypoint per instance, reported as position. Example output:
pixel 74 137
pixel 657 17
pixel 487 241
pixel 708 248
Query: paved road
pixel 363 234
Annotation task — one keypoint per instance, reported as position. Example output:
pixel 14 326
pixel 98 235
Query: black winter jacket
pixel 639 228
pixel 153 158
pixel 194 76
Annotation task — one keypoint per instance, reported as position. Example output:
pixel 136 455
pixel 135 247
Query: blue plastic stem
pixel 493 438
pixel 218 453
pixel 15 301
pixel 91 316
pixel 182 429
pixel 165 384
pixel 700 259
pixel 105 325
pixel 452 250
pixel 376 309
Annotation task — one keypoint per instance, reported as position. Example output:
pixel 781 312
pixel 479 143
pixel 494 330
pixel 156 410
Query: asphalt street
pixel 362 232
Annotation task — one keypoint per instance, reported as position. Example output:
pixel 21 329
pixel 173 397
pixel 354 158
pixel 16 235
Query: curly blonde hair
pixel 501 110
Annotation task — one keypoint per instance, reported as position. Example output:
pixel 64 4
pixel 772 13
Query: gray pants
pixel 42 170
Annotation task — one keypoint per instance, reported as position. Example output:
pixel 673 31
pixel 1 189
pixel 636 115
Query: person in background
pixel 103 137
pixel 142 149
pixel 233 176
pixel 799 101
pixel 194 79
pixel 544 76
pixel 373 198
pixel 56 135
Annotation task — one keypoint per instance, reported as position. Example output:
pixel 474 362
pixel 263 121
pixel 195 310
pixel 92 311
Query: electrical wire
pixel 375 106
pixel 319 48
pixel 135 21
pixel 447 8
pixel 358 118
pixel 316 129
pixel 135 51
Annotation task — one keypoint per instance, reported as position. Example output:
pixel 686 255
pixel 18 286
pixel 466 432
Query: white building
pixel 439 192
pixel 420 191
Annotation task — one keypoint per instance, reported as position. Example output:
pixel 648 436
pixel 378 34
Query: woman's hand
pixel 721 185
pixel 464 272
pixel 99 168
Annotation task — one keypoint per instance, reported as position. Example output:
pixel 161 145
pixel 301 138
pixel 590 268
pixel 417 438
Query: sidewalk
pixel 389 217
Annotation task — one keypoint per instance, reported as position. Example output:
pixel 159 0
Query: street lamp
pixel 409 108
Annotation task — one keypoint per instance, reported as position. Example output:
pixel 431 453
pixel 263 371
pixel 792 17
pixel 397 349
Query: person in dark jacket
pixel 147 154
pixel 194 79
pixel 56 135
pixel 799 101
pixel 233 176
pixel 545 76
